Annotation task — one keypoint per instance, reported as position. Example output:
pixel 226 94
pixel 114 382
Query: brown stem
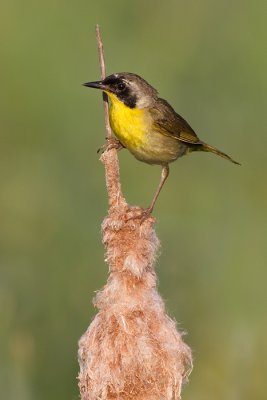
pixel 103 75
pixel 109 158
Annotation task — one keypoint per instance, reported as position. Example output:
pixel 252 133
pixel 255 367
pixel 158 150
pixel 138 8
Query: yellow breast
pixel 134 129
pixel 128 124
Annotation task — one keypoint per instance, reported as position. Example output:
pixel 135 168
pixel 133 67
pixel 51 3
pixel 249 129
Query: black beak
pixel 95 85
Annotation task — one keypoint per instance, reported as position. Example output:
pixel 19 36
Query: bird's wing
pixel 169 123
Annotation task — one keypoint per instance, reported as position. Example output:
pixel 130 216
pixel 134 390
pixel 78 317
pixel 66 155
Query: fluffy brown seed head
pixel 132 349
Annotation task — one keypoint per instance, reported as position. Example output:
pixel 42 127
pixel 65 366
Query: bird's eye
pixel 121 86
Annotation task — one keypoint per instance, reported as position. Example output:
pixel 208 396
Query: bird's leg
pixel 146 212
pixel 111 143
pixel 164 176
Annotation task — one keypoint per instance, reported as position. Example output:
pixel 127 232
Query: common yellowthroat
pixel 147 125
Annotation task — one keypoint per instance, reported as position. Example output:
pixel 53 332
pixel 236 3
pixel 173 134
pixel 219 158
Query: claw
pixel 146 213
pixel 111 143
pixel 139 213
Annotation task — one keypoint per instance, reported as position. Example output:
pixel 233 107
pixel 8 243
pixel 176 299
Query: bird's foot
pixel 141 214
pixel 111 143
pixel 146 213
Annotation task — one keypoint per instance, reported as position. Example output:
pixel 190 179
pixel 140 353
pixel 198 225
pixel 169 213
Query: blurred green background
pixel 208 58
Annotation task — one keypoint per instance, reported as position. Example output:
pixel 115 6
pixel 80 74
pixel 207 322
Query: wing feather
pixel 169 123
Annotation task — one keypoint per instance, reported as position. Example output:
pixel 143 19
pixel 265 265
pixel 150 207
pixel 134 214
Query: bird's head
pixel 128 88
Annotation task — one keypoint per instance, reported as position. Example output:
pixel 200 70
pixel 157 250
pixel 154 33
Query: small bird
pixel 147 125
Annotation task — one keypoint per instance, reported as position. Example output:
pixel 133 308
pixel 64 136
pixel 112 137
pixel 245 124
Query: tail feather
pixel 211 149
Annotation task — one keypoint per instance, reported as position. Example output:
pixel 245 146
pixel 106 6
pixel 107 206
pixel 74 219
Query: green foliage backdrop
pixel 208 58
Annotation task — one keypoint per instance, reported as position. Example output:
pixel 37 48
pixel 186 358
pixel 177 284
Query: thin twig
pixel 109 158
pixel 103 75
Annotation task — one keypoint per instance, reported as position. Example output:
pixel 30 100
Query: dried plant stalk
pixel 132 349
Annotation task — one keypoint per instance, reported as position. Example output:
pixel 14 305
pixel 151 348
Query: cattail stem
pixel 109 158
pixel 132 349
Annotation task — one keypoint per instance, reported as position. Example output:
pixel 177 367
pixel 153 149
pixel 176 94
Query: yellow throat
pixel 129 124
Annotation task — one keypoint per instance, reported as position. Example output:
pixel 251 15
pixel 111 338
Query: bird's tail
pixel 211 149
